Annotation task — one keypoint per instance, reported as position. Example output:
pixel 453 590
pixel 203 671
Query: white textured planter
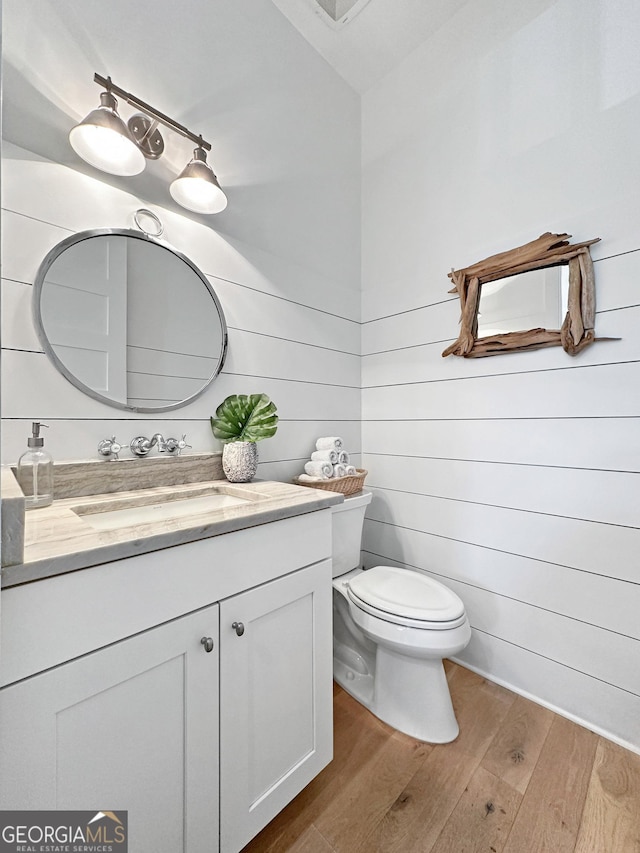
pixel 240 461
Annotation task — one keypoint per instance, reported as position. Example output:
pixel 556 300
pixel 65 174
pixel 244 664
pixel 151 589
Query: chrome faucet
pixel 141 446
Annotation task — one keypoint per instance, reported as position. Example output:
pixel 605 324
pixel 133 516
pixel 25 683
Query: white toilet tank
pixel 347 522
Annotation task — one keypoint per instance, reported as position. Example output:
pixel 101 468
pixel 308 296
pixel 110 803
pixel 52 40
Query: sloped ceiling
pixel 376 40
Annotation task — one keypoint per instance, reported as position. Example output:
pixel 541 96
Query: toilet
pixel 392 627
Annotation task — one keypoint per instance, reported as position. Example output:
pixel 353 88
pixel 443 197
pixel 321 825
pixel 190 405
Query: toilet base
pixel 412 695
pixel 409 694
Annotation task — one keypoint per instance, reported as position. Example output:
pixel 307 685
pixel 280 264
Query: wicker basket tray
pixel 347 485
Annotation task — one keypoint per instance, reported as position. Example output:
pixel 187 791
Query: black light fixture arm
pixel 110 86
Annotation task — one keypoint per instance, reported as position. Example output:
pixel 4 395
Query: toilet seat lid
pixel 406 593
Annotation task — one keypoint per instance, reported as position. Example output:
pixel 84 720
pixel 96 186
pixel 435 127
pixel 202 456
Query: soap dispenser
pixel 35 471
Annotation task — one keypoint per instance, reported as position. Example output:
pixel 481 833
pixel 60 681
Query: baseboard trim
pixel 561 712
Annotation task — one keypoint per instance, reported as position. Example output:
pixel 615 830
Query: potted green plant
pixel 240 421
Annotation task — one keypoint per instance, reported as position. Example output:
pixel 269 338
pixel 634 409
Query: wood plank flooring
pixel 518 779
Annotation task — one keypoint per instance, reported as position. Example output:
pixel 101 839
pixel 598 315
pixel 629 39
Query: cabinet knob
pixel 239 628
pixel 207 642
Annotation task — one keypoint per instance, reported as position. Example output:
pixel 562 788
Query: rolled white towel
pixel 324 470
pixel 343 457
pixel 329 442
pixel 339 470
pixel 351 470
pixel 305 478
pixel 330 456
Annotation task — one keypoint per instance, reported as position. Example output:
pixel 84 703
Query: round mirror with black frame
pixel 129 320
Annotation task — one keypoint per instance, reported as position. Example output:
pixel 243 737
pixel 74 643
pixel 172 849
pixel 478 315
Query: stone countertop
pixel 59 540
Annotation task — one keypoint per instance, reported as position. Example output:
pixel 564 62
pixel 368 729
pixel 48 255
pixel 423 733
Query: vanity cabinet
pixel 103 710
pixel 276 715
pixel 132 727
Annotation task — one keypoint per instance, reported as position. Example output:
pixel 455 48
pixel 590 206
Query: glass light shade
pixel 196 188
pixel 103 140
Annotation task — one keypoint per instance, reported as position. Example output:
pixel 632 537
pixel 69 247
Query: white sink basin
pixel 112 517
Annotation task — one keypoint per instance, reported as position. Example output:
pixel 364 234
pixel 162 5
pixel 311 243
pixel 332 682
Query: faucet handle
pixel 176 447
pixel 110 448
pixel 182 444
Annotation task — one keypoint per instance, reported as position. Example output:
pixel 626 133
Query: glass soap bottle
pixel 35 471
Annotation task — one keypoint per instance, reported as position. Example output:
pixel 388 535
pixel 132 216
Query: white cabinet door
pixel 133 726
pixel 276 717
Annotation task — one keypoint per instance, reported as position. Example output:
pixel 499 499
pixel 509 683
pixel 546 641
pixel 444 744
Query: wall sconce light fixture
pixel 103 140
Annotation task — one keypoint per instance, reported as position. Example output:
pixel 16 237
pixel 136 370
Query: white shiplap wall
pixel 515 479
pixel 292 334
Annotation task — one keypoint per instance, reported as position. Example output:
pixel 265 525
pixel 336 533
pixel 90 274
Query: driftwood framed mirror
pixel 547 252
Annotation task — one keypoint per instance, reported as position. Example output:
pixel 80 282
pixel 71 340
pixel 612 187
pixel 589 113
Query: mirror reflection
pixel 129 320
pixel 530 300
